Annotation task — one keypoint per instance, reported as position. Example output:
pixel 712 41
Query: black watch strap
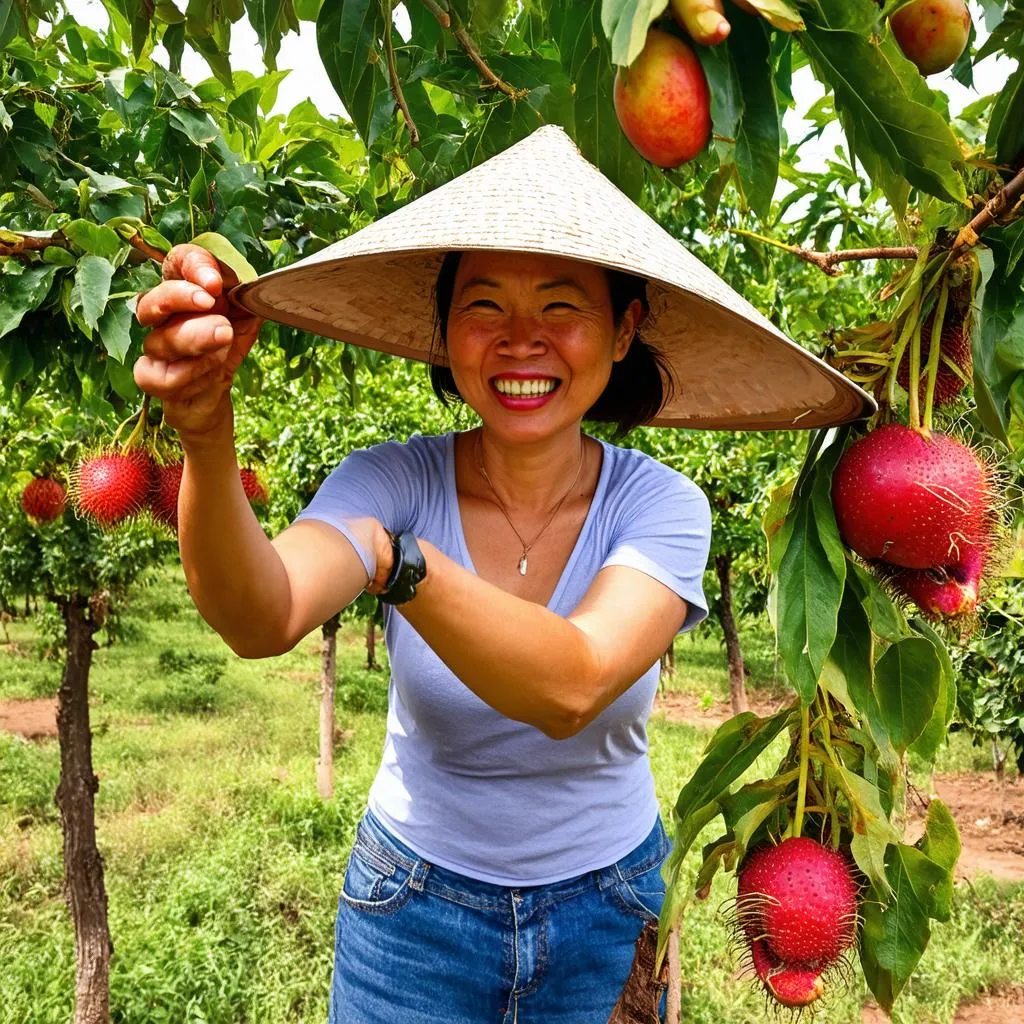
pixel 408 567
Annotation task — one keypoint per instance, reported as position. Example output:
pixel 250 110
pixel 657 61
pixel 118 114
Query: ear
pixel 631 320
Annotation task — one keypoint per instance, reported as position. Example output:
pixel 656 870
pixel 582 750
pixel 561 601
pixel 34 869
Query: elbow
pixel 252 648
pixel 567 720
pixel 573 711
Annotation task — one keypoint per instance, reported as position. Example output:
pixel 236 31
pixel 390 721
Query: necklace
pixel 523 560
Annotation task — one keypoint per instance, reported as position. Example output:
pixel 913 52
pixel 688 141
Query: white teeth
pixel 512 386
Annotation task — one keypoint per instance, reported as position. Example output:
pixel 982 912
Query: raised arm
pixel 261 596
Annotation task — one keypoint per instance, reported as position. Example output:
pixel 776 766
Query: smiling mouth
pixel 515 387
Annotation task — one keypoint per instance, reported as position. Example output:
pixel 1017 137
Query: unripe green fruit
pixel 932 33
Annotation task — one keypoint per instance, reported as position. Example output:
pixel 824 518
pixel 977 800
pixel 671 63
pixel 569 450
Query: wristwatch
pixel 408 567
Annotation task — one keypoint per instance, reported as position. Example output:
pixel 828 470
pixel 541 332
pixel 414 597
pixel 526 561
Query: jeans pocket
pixel 643 893
pixel 375 882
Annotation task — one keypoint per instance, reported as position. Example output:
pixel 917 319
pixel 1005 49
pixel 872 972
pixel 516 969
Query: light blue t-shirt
pixel 464 786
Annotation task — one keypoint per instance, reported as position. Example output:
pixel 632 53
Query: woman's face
pixel 531 340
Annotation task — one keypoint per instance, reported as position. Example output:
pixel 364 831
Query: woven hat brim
pixel 731 366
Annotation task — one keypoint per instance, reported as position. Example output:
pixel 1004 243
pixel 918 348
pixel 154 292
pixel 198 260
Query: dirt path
pixel 1001 1006
pixel 33 719
pixel 990 817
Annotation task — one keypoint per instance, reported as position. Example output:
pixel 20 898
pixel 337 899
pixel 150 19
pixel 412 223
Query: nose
pixel 523 337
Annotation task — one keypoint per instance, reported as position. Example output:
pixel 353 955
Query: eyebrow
pixel 560 282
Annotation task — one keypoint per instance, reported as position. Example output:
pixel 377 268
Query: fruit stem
pixel 141 420
pixel 915 376
pixel 900 347
pixel 801 791
pixel 935 353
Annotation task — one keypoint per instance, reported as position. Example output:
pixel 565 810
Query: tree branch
pixel 827 261
pixel 396 85
pixel 490 79
pixel 28 244
pixel 441 15
pixel 150 252
pixel 1001 203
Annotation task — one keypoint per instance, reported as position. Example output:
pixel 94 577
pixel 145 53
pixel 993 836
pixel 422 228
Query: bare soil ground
pixel 990 816
pixel 1000 1006
pixel 33 719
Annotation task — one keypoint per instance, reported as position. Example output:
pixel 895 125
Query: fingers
pixel 195 264
pixel 188 335
pixel 172 297
pixel 704 20
pixel 171 380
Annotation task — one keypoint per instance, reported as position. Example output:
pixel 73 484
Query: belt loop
pixel 419 875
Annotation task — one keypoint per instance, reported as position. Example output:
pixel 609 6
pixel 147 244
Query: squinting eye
pixel 558 305
pixel 484 302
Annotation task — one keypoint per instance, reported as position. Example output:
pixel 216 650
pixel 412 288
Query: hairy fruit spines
pixel 801 899
pixel 790 985
pixel 43 499
pixel 255 489
pixel 112 486
pixel 163 493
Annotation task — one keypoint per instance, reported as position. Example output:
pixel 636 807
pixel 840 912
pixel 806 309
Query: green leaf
pixel 227 254
pixel 872 831
pixel 625 24
pixel 886 618
pixel 918 885
pixel 10 21
pixel 97 239
pixel 927 745
pixel 882 100
pixel 264 16
pixel 115 326
pixel 59 256
pixel 907 685
pixel 92 287
pixel 348 35
pixel 21 293
pixel 757 137
pixel 1006 125
pixel 941 843
pixel 585 56
pixel 779 14
pixel 810 581
pixel 195 126
pixel 731 751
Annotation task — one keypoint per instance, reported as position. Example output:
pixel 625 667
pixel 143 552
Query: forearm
pixel 235 577
pixel 522 659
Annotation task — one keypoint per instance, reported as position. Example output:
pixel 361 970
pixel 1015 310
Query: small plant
pixel 190 682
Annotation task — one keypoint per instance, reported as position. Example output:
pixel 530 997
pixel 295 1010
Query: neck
pixel 532 477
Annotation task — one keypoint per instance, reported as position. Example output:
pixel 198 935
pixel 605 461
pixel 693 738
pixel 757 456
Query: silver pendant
pixel 522 565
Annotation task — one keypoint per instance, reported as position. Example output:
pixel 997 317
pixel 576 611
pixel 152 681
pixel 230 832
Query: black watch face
pixel 408 569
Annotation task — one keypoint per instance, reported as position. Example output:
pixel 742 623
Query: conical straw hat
pixel 732 367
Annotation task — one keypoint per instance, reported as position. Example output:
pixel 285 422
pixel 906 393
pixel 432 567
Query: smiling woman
pixel 511 849
pixel 640 380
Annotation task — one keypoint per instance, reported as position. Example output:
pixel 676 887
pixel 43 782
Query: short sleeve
pixel 669 537
pixel 376 482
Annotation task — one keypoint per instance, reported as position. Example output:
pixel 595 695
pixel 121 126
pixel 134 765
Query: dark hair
pixel 639 385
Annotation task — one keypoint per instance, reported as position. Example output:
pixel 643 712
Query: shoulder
pixel 640 481
pixel 420 453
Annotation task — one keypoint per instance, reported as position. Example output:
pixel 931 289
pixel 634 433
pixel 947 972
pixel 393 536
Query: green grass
pixel 223 866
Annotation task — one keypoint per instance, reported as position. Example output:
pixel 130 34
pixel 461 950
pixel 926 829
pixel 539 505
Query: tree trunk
pixel 371 643
pixel 328 677
pixel 83 865
pixel 737 691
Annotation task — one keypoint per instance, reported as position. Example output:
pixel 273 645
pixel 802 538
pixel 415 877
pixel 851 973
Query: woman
pixel 511 851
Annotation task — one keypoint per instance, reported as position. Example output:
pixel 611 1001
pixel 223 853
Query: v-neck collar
pixel 455 514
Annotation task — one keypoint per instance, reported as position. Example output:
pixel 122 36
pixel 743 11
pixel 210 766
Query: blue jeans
pixel 419 944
